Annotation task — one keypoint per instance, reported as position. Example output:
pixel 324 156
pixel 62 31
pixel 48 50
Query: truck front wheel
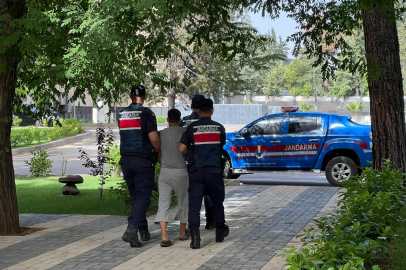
pixel 340 169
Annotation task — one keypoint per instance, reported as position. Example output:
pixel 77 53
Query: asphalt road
pixel 71 154
pixel 74 166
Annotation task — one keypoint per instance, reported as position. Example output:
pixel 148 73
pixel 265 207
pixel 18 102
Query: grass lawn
pixel 397 249
pixel 41 195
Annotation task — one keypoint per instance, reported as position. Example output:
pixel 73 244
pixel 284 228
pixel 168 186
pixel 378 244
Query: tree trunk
pixel 171 98
pixel 9 221
pixel 385 88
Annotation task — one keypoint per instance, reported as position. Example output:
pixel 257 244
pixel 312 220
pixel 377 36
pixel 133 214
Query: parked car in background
pixel 35 119
pixel 300 141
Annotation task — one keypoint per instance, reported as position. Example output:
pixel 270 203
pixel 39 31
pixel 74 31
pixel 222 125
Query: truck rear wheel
pixel 340 169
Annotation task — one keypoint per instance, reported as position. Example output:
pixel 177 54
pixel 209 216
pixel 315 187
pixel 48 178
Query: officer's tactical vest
pixel 207 146
pixel 130 130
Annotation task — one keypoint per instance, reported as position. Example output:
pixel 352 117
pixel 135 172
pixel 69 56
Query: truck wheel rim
pixel 226 169
pixel 341 172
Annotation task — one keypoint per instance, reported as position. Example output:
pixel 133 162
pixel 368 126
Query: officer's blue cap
pixel 197 101
pixel 138 91
pixel 206 105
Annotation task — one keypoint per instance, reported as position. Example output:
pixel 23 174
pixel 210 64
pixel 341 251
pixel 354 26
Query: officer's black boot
pixel 195 234
pixel 210 225
pixel 145 236
pixel 131 236
pixel 221 233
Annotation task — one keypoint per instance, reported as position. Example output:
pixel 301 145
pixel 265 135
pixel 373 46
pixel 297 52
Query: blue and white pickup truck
pixel 300 141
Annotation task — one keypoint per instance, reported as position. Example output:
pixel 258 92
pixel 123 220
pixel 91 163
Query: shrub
pixel 40 164
pixel 305 107
pixel 161 119
pixel 357 234
pixel 16 137
pixel 38 134
pixel 16 121
pixel 68 127
pixel 155 191
pixel 114 159
pixel 71 127
pixel 28 135
pixel 122 193
pixel 55 133
pixel 44 121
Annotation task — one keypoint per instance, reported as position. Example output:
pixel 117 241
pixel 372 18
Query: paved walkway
pixel 262 220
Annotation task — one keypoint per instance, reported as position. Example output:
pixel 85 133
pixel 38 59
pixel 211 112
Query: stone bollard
pixel 70 187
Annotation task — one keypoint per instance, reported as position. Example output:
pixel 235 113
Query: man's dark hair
pixel 174 115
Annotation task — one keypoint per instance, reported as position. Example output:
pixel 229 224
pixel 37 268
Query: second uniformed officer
pixel 206 138
pixel 139 143
pixel 186 121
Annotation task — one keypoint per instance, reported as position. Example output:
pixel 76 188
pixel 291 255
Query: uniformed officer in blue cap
pixel 186 121
pixel 139 146
pixel 205 138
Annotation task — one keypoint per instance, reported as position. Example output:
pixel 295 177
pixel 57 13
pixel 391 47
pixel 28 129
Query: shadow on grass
pixel 42 195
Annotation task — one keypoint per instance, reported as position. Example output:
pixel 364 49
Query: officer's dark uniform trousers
pixel 139 175
pixel 187 120
pixel 210 180
pixel 135 123
pixel 205 174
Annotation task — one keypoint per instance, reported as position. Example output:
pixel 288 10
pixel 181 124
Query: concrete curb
pixel 60 142
pixel 233 182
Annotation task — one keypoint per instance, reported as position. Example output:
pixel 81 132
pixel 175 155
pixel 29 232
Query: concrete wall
pixel 235 113
pixel 238 114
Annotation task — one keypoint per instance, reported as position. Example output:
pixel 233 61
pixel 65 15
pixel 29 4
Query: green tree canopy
pixel 96 47
pixel 355 107
pixel 274 80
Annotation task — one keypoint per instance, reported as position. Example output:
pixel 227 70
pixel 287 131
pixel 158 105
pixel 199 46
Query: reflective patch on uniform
pixel 189 121
pixel 209 134
pixel 130 120
pixel 130 114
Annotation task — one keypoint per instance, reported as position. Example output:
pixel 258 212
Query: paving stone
pixel 262 219
pixel 28 249
pixel 38 218
pixel 254 259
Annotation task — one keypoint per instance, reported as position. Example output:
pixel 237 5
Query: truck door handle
pixel 275 141
pixel 314 140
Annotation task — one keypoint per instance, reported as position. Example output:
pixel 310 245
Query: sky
pixel 283 27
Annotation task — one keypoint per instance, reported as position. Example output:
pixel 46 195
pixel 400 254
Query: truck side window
pixel 298 124
pixel 268 126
